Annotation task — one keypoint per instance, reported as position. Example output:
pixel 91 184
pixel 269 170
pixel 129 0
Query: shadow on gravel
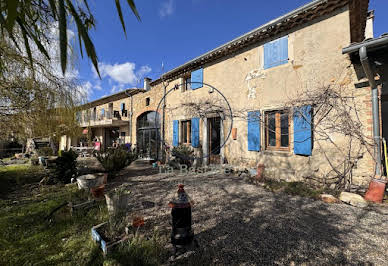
pixel 276 229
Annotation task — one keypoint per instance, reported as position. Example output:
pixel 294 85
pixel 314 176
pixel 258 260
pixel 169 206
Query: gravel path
pixel 242 224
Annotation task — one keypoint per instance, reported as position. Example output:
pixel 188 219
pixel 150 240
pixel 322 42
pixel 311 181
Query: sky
pixel 172 32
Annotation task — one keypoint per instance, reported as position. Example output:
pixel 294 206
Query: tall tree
pixel 32 19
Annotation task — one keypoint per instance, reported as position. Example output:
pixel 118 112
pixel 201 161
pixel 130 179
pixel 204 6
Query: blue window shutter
pixel 283 50
pixel 175 133
pixel 195 132
pixel 267 55
pixel 276 52
pixel 302 130
pixel 197 76
pixel 102 111
pixel 122 106
pixel 254 131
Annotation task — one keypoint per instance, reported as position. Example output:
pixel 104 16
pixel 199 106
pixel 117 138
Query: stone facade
pixel 314 60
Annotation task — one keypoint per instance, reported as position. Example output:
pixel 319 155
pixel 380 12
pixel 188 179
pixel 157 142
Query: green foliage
pixel 27 239
pixel 183 154
pixel 14 176
pixel 140 251
pixel 66 166
pixel 114 160
pixel 45 151
pixel 32 19
pixel 297 189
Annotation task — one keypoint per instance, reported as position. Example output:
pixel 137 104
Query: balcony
pixel 108 119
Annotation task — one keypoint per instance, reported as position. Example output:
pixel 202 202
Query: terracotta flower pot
pixel 98 192
pixel 260 172
pixel 376 191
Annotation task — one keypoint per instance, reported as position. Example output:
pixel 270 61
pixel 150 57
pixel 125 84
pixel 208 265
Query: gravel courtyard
pixel 243 224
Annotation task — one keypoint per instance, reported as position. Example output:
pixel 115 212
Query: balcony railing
pixel 106 118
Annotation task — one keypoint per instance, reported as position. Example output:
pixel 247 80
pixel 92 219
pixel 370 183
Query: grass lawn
pixel 27 238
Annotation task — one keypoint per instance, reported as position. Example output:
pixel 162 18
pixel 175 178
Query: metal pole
pixel 375 108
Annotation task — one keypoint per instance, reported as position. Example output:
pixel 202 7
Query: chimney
pixel 369 24
pixel 147 82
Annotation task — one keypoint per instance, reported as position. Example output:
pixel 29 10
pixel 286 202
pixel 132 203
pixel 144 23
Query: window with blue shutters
pixel 175 133
pixel 195 132
pixel 276 53
pixel 254 131
pixel 303 130
pixel 197 79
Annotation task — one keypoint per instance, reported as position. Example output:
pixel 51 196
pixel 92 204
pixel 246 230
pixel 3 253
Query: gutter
pixel 375 107
pixel 371 44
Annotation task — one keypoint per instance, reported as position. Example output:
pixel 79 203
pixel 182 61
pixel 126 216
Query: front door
pixel 214 139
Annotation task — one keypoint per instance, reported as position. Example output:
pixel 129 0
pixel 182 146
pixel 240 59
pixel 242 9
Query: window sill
pixel 278 153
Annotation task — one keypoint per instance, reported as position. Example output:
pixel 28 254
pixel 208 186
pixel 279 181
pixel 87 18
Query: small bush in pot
pixel 66 166
pixel 114 160
pixel 118 199
pixel 183 154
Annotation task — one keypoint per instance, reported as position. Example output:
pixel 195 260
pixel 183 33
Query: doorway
pixel 214 136
pixel 147 134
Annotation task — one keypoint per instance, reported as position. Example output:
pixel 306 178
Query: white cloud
pixel 123 73
pixel 167 8
pixel 97 86
pixel 85 90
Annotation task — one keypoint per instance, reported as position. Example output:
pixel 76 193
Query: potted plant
pixel 118 199
pixel 110 234
pixel 113 160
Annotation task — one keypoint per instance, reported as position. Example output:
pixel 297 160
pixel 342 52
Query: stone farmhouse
pixel 263 98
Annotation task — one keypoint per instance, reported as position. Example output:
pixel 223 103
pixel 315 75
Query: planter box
pixel 117 202
pixel 105 245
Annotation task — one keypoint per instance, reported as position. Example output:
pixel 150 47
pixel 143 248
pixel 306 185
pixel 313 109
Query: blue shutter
pixel 195 132
pixel 267 55
pixel 283 50
pixel 197 76
pixel 102 112
pixel 175 133
pixel 276 52
pixel 302 130
pixel 254 131
pixel 122 106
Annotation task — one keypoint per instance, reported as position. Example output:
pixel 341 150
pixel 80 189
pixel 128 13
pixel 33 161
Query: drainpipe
pixel 130 119
pixel 375 108
pixel 130 122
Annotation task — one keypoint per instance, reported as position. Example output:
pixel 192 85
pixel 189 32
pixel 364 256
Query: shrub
pixel 183 154
pixel 66 166
pixel 114 160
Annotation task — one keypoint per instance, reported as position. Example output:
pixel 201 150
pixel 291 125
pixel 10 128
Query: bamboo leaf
pixel 131 3
pixel 26 43
pixel 36 40
pixel 80 45
pixel 53 8
pixel 11 36
pixel 63 35
pixel 12 13
pixel 87 5
pixel 118 7
pixel 89 47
